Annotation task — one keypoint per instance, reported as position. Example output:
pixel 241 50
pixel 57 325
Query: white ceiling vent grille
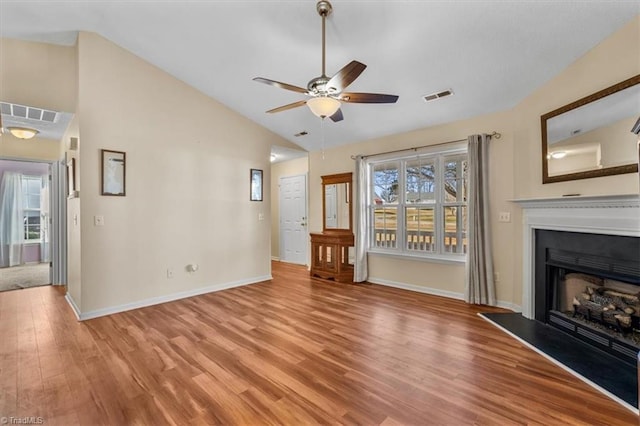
pixel 31 113
pixel 438 95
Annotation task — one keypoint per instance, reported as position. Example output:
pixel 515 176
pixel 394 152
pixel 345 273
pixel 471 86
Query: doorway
pixel 25 224
pixel 293 219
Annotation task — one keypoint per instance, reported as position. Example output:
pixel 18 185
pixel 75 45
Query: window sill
pixel 451 260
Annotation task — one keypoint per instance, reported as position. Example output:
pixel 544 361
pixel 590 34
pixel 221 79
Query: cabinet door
pixel 331 257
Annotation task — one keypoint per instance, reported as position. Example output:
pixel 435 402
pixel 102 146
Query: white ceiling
pixel 491 53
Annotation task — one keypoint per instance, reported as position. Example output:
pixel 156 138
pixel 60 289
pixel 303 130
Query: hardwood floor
pixel 288 351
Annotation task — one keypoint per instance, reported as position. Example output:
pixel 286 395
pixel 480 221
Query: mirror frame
pixel 331 180
pixel 606 171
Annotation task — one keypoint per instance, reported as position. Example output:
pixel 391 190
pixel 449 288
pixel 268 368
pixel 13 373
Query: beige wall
pixel 39 75
pixel 515 162
pixel 187 184
pixel 298 166
pixel 32 149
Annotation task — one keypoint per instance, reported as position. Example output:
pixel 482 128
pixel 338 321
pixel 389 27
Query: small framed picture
pixel 113 173
pixel 256 185
pixel 71 178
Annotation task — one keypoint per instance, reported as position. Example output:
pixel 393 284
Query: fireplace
pixel 605 215
pixel 597 219
pixel 588 285
pixel 603 230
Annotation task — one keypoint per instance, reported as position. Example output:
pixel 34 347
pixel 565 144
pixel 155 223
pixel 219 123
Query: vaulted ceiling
pixel 491 54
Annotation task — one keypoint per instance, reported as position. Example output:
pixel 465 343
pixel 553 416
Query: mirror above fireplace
pixel 592 136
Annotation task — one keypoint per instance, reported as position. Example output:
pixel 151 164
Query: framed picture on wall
pixel 71 178
pixel 113 172
pixel 256 185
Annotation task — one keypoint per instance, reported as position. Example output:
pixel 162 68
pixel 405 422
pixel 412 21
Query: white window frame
pixel 400 250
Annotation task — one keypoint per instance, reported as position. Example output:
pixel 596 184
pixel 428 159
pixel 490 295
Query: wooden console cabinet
pixel 330 256
pixel 330 248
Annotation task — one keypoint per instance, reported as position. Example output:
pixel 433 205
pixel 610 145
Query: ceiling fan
pixel 327 92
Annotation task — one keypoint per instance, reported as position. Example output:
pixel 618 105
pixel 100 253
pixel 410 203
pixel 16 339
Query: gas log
pixel 606 305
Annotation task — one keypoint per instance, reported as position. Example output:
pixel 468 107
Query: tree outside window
pixel 418 205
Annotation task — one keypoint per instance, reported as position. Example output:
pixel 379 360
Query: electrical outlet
pixel 98 220
pixel 260 216
pixel 169 273
pixel 504 217
pixel 496 276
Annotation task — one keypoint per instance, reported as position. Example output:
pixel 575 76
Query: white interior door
pixel 293 219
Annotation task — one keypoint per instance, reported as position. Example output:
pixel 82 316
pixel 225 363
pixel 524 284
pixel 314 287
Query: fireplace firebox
pixel 588 285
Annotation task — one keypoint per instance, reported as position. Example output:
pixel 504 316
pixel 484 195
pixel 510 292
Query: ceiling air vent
pixel 438 95
pixel 21 111
pixel 302 133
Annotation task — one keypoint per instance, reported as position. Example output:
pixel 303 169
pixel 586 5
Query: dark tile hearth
pixel 610 373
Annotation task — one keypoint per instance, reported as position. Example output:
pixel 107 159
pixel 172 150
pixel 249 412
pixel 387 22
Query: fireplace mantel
pixel 587 201
pixel 605 214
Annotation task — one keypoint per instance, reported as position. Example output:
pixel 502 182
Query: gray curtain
pixel 11 220
pixel 361 272
pixel 479 285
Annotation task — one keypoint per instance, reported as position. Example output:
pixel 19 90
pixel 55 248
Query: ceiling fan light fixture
pixel 323 106
pixel 22 132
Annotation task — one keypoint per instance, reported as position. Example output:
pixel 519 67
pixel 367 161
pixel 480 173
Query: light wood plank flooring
pixel 288 351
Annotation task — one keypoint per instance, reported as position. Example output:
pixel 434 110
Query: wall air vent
pixel 31 113
pixel 438 95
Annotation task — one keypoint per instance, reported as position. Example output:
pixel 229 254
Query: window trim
pixel 400 250
pixel 25 195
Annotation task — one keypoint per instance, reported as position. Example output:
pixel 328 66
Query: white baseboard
pixel 162 299
pixel 511 306
pixel 417 288
pixel 73 305
pixel 436 292
pixel 275 258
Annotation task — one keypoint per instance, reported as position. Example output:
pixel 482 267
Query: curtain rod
pixel 353 157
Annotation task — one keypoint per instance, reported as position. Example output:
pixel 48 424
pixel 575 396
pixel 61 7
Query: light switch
pixel 260 216
pixel 98 220
pixel 504 217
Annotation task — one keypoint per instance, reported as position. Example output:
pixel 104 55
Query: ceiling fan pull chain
pixel 322 134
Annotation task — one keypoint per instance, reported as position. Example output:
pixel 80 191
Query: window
pixel 418 204
pixel 31 188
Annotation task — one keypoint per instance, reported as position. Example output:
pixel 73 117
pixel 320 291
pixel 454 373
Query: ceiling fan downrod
pixel 324 8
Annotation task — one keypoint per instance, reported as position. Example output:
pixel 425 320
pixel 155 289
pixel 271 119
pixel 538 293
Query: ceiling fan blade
pixel 286 107
pixel 368 98
pixel 346 76
pixel 280 85
pixel 337 116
